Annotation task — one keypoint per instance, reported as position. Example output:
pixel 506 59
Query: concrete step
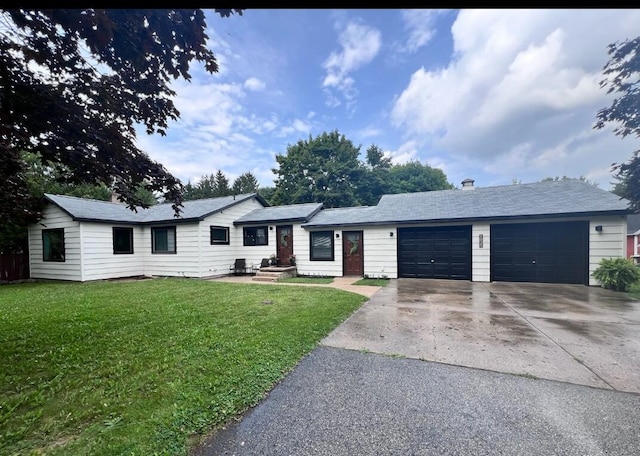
pixel 268 274
pixel 257 278
pixel 272 274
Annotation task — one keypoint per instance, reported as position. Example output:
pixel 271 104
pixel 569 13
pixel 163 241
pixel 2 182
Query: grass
pixel 372 282
pixel 146 367
pixel 301 279
pixel 634 291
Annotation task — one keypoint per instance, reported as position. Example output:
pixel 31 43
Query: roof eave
pixel 233 203
pixel 270 221
pixel 470 219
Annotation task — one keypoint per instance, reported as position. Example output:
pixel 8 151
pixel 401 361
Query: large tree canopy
pixel 321 169
pixel 75 83
pixel 622 77
pixel 327 169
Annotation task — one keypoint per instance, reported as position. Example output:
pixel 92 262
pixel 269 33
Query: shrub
pixel 617 273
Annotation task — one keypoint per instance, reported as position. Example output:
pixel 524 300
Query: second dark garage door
pixel 555 252
pixel 435 252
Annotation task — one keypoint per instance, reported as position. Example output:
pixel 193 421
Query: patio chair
pixel 239 267
pixel 264 263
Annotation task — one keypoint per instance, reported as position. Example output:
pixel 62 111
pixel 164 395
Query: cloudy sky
pixel 493 95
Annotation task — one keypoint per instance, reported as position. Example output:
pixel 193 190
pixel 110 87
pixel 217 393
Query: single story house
pixel 550 231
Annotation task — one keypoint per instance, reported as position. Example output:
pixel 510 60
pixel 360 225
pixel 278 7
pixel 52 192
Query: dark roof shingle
pixel 549 198
pixel 287 213
pixel 104 211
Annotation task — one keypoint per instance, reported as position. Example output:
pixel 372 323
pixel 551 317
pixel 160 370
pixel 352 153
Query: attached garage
pixel 550 252
pixel 442 252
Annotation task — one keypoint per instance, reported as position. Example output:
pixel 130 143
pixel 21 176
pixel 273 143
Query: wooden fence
pixel 14 266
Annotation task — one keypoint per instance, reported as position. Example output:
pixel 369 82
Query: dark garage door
pixel 540 252
pixel 435 253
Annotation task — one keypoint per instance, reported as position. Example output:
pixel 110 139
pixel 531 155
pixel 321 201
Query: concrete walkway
pixel 341 283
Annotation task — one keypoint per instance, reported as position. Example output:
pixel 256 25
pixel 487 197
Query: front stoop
pixel 273 273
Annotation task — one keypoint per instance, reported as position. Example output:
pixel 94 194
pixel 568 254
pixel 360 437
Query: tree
pixel 245 183
pixel 41 178
pixel 566 178
pixel 74 83
pixel 267 194
pixel 376 180
pixel 416 177
pixel 221 184
pixel 211 186
pixel 622 77
pixel 321 169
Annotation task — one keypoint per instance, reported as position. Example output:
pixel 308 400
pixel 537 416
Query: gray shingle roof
pixel 343 216
pixel 287 213
pixel 633 224
pixel 549 198
pixel 104 211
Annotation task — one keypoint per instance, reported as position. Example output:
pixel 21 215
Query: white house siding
pixel 216 259
pixel 480 256
pixel 302 246
pixel 184 263
pixel 380 251
pixel 608 243
pixel 99 261
pixel 71 268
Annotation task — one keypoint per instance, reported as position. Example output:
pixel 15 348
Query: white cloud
pixel 405 153
pixel 360 45
pixel 521 92
pixel 254 84
pixel 420 25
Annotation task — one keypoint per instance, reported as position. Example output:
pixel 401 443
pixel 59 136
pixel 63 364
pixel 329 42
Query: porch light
pixel 598 228
pixel 390 233
pixel 337 235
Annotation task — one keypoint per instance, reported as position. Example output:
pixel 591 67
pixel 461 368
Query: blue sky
pixel 493 95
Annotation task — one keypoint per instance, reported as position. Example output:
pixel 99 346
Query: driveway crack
pixel 524 317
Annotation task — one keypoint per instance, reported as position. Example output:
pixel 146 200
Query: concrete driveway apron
pixel 570 333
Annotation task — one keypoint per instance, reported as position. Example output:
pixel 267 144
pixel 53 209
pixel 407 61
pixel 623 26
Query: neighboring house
pixel 633 237
pixel 541 232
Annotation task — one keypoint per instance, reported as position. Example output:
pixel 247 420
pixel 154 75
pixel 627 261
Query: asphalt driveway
pixel 344 399
pixel 570 333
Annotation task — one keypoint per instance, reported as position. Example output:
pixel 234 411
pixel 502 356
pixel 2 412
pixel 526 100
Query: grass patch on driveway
pixel 634 291
pixel 146 367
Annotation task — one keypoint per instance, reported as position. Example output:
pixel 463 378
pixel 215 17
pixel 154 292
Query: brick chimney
pixel 467 184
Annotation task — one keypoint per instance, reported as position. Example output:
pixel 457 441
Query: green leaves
pixel 327 169
pixel 617 274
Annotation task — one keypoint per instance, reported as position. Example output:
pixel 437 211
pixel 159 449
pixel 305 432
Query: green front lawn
pixel 146 367
pixel 373 282
pixel 303 279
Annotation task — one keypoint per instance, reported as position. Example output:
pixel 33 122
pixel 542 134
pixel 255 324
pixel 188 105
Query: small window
pixel 53 244
pixel 321 245
pixel 256 235
pixel 163 239
pixel 122 240
pixel 219 235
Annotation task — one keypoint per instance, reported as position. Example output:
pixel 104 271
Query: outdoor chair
pixel 264 263
pixel 239 267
